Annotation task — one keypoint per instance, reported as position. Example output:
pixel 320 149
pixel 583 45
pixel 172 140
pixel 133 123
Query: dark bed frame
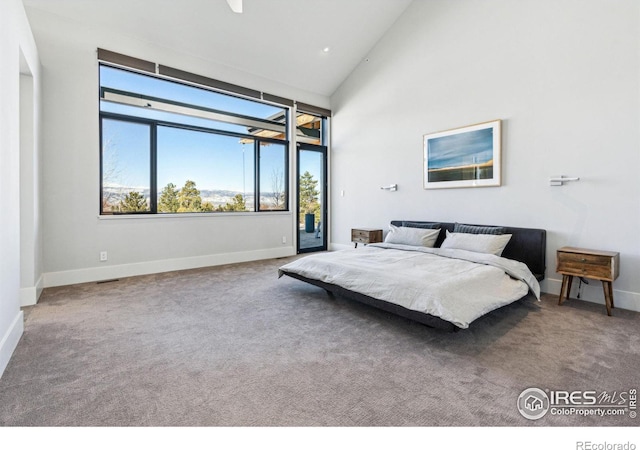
pixel 527 245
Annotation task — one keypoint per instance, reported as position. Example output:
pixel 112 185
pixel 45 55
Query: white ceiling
pixel 281 40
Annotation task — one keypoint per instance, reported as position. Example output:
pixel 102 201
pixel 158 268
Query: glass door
pixel 312 198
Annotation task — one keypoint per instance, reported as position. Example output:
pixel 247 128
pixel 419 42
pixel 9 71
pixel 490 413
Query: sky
pixel 471 147
pixel 214 161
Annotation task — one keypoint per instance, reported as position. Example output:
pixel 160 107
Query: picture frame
pixel 469 156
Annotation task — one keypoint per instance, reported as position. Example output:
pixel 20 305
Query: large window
pixel 169 148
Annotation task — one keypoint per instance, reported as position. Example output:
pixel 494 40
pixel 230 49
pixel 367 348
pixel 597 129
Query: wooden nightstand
pixel 582 262
pixel 366 235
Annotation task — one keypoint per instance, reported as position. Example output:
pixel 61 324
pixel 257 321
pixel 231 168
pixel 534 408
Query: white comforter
pixel 456 285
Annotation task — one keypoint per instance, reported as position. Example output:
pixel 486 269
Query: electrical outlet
pixel 103 256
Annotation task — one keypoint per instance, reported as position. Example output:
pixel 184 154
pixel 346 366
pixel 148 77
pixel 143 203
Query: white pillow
pixel 421 237
pixel 480 243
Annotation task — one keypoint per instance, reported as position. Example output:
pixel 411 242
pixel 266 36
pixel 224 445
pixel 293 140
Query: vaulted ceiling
pixel 281 40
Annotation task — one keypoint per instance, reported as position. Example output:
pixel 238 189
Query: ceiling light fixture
pixel 235 5
pixel 326 49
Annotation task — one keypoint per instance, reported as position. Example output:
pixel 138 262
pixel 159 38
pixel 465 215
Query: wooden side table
pixel 366 235
pixel 582 262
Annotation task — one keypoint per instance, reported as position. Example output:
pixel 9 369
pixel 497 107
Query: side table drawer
pixel 596 266
pixel 360 236
pixel 365 236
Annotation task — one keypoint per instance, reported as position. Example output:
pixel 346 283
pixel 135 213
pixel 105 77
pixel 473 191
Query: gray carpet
pixel 236 346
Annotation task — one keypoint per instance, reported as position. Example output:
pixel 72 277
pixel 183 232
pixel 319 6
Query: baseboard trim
pixel 92 274
pixel 29 296
pixel 593 293
pixel 10 340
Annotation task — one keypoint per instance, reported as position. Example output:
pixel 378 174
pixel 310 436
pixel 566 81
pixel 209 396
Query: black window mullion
pixel 167 124
pixel 287 170
pixel 153 194
pixel 287 152
pixel 101 193
pixel 256 173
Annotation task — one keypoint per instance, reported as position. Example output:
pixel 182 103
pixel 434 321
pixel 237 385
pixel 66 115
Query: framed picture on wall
pixel 463 157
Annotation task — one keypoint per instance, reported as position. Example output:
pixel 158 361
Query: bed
pixel 444 275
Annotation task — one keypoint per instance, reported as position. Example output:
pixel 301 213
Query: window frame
pixel 257 171
pixel 152 162
pixel 153 149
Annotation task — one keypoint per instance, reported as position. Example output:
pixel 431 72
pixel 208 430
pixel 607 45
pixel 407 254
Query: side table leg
pixel 565 282
pixel 565 291
pixel 569 287
pixel 608 295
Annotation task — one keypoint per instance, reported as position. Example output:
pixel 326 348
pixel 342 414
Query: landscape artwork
pixel 463 157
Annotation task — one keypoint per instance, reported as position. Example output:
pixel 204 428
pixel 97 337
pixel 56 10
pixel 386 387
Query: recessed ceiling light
pixel 326 49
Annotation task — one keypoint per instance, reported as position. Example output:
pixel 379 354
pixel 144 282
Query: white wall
pixel 30 189
pixel 73 233
pixel 18 55
pixel 563 76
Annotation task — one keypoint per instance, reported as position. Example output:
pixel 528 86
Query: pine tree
pixel 206 207
pixel 169 199
pixel 237 204
pixel 189 198
pixel 308 194
pixel 134 202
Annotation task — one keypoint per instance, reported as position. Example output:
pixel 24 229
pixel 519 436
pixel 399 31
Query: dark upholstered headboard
pixel 527 245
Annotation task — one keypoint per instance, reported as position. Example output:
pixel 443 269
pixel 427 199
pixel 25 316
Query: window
pixel 273 179
pixel 126 159
pixel 171 148
pixel 221 166
pixel 310 128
